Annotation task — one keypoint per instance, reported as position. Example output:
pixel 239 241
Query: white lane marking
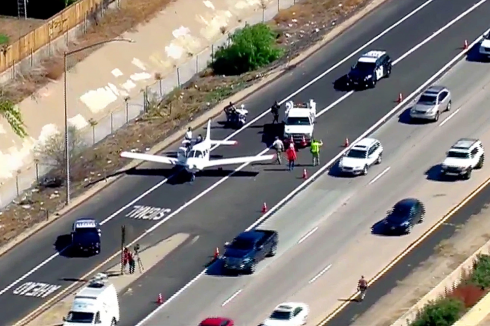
pixel 231 298
pixel 376 178
pixel 158 185
pixel 415 48
pixel 307 235
pixel 317 276
pixel 449 117
pixel 329 164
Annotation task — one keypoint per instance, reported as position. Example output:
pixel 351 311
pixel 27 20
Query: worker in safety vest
pixel 315 151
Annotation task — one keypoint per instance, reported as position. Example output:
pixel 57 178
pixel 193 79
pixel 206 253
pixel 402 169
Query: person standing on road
pixel 278 146
pixel 188 134
pixel 125 258
pixel 315 151
pixel 275 112
pixel 362 286
pixel 132 263
pixel 291 154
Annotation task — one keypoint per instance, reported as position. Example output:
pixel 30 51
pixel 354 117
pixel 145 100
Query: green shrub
pixel 481 272
pixel 442 312
pixel 250 48
pixel 10 112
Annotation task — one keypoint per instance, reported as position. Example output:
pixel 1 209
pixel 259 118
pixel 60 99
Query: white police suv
pixel 369 69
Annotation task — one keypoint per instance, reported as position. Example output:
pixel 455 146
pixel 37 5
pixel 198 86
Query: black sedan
pixel 404 215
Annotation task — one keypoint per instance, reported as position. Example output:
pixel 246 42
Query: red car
pixel 217 321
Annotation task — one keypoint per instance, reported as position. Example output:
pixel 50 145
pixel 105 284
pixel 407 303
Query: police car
pixel 369 69
pixel 85 236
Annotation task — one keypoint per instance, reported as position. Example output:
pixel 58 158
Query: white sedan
pixel 288 314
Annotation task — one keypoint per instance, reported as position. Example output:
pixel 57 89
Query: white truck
pixel 95 304
pixel 299 122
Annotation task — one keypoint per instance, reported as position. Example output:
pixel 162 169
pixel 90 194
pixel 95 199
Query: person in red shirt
pixel 291 154
pixel 126 257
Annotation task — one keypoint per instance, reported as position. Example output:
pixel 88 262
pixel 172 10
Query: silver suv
pixel 432 102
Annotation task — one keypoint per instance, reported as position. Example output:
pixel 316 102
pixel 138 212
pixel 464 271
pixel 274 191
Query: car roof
pixel 371 56
pixel 365 143
pixel 464 143
pixel 434 90
pixel 287 306
pixel 215 321
pixel 407 202
pixel 85 223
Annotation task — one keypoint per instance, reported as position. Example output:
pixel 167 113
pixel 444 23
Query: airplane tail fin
pixel 217 142
pixel 208 130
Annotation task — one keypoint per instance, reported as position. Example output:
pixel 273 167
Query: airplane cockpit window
pixel 196 154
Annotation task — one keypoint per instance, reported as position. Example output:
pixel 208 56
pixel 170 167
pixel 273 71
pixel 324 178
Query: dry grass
pixel 163 117
pixel 15 28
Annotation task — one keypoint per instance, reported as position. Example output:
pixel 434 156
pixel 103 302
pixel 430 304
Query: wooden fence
pixel 55 27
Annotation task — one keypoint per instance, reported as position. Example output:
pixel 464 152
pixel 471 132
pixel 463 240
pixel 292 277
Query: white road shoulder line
pixel 317 276
pixel 376 178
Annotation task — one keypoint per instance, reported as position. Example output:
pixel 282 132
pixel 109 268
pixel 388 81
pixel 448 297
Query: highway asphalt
pixel 325 232
pixel 235 204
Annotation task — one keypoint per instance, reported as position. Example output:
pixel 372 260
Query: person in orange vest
pixel 291 155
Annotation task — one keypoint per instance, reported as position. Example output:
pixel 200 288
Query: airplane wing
pixel 150 157
pixel 239 160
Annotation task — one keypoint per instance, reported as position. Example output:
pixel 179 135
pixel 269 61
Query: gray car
pixel 432 102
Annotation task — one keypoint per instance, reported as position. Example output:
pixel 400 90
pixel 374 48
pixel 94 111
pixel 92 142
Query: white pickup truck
pixel 299 122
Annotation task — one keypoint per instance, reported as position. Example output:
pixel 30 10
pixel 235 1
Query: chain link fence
pixel 133 107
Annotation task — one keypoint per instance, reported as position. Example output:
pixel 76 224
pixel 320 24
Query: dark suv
pixel 369 69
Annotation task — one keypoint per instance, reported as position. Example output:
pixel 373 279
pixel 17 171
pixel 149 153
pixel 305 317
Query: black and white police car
pixel 85 236
pixel 369 69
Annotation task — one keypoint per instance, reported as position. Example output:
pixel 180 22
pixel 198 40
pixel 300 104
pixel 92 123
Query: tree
pixel 10 112
pixel 442 312
pixel 52 150
pixel 250 48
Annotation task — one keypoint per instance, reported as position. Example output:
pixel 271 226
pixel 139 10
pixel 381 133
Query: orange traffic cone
pixel 303 142
pixel 346 142
pixel 159 299
pixel 465 44
pixel 216 254
pixel 264 208
pixel 291 140
pixel 305 174
pixel 400 98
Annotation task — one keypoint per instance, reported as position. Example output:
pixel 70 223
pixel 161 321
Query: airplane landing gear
pixel 193 177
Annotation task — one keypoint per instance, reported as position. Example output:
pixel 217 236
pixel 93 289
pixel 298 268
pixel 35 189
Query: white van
pixel 95 304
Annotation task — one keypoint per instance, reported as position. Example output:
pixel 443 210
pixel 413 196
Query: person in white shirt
pixel 188 134
pixel 278 146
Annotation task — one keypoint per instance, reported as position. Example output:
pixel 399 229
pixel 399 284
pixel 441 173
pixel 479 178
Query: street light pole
pixel 67 141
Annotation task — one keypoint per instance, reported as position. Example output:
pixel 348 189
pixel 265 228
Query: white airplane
pixel 196 157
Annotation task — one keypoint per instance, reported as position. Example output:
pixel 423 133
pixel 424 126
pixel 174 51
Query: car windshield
pixel 486 36
pixel 281 315
pixel 294 121
pixel 365 66
pixel 428 99
pixel 80 317
pixel 242 244
pixel 458 154
pixel 356 153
